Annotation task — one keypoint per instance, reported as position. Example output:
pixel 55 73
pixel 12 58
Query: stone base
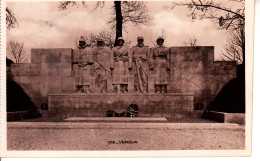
pixel 97 105
pixel 238 118
pixel 19 115
pixel 116 119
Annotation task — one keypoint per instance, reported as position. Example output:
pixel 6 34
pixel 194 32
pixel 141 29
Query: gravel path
pixel 138 139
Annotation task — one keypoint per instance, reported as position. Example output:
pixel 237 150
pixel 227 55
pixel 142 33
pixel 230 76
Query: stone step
pixel 97 105
pixel 120 125
pixel 117 119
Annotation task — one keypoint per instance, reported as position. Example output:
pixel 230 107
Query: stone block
pixel 65 72
pixel 66 69
pixel 175 85
pixel 65 65
pixel 54 84
pixel 149 105
pixel 186 53
pixel 40 86
pixel 45 69
pixel 51 56
pixel 20 69
pixel 66 55
pixel 19 115
pixel 17 79
pixel 186 82
pixel 207 54
pixel 50 69
pixel 26 79
pixel 193 67
pixel 238 118
pixel 35 55
pixel 54 69
pixel 11 116
pixel 67 85
pixel 35 69
pixel 224 68
pixel 211 54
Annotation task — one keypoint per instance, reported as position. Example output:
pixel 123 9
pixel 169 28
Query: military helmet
pixel 140 38
pixel 160 38
pixel 100 39
pixel 82 39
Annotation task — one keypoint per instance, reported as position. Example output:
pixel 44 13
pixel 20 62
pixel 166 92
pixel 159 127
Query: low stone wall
pixel 96 105
pixel 19 115
pixel 224 117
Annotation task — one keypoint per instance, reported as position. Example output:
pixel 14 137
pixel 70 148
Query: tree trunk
pixel 243 45
pixel 119 20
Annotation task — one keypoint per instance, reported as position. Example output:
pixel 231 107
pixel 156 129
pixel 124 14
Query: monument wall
pixel 193 71
pixel 50 71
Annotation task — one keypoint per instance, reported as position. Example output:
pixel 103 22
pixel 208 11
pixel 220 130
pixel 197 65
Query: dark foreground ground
pixel 125 139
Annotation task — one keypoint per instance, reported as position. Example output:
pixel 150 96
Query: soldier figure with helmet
pixel 84 61
pixel 121 62
pixel 160 58
pixel 102 65
pixel 140 54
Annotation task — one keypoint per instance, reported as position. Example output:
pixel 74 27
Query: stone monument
pixel 140 56
pixel 102 56
pixel 161 81
pixel 121 62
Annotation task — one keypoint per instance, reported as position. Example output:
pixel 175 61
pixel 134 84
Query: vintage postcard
pixel 126 78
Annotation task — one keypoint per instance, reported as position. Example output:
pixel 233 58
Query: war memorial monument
pixel 90 81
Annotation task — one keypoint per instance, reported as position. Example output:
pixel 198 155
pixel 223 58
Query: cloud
pixel 41 25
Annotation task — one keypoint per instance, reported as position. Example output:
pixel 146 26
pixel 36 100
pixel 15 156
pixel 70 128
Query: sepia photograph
pixel 126 78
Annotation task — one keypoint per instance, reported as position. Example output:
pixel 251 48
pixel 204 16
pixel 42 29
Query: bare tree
pixel 11 21
pixel 135 12
pixel 231 19
pixel 107 36
pixel 192 42
pixel 16 49
pixel 235 46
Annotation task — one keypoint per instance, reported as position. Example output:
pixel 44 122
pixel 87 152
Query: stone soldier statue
pixel 102 70
pixel 82 61
pixel 121 62
pixel 85 62
pixel 140 54
pixel 75 67
pixel 160 58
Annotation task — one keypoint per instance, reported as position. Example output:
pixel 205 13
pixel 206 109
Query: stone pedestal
pixel 96 105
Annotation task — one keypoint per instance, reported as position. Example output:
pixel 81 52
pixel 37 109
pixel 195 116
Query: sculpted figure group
pixel 100 63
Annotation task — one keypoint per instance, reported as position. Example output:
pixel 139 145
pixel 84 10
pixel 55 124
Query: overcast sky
pixel 42 25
